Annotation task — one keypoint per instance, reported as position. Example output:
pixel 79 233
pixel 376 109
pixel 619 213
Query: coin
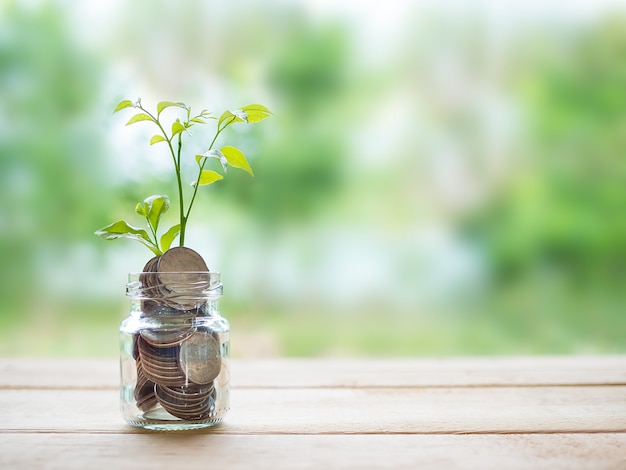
pixel 176 364
pixel 175 280
pixel 148 276
pixel 149 284
pixel 200 358
pixel 183 275
pixel 187 402
pixel 145 396
pixel 160 364
pixel 165 337
pixel 181 259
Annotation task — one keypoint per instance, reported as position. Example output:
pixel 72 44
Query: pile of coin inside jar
pixel 176 366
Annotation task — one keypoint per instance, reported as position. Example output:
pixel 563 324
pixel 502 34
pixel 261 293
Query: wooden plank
pixel 410 372
pixel 199 450
pixel 347 410
pixel 45 373
pixel 283 373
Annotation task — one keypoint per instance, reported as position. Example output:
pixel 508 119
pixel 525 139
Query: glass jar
pixel 174 352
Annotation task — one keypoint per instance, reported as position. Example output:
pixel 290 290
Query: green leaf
pixel 121 229
pixel 157 206
pixel 156 139
pixel 225 115
pixel 177 128
pixel 142 209
pixel 139 117
pixel 153 248
pixel 198 120
pixel 256 112
pixel 123 105
pixel 236 116
pixel 166 104
pixel 208 177
pixel 236 158
pixel 169 236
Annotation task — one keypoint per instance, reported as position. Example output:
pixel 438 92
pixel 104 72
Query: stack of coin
pixel 176 365
pixel 177 369
pixel 190 402
pixel 160 364
pixel 175 279
pixel 144 390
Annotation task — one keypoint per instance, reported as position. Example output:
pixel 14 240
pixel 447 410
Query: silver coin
pixel 183 275
pixel 160 365
pixel 147 402
pixel 165 337
pixel 189 403
pixel 145 396
pixel 181 259
pixel 148 277
pixel 186 395
pixel 200 358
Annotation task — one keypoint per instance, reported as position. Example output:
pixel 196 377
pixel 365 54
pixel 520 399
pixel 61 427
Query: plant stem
pixel 154 234
pixel 184 216
pixel 181 205
pixel 195 186
pixel 176 160
pixel 168 140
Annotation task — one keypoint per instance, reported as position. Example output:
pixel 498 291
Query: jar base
pixel 160 420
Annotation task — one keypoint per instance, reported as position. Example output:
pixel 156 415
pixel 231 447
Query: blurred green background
pixel 439 178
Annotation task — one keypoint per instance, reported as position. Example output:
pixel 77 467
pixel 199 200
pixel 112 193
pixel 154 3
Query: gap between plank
pixel 331 387
pixel 216 431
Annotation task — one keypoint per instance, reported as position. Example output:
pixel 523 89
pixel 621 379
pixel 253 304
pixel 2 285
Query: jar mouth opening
pixel 180 288
pixel 208 273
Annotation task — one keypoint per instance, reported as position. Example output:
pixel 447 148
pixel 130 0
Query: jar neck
pixel 174 293
pixel 146 308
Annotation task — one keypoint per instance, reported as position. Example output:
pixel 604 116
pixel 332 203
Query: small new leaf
pixel 236 158
pixel 177 128
pixel 139 117
pixel 226 115
pixel 142 209
pixel 198 120
pixel 208 177
pixel 123 105
pixel 156 139
pixel 166 104
pixel 156 207
pixel 169 236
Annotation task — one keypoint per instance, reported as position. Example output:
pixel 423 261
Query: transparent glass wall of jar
pixel 174 352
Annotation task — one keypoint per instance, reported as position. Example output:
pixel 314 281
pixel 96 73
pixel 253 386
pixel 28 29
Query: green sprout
pixel 153 207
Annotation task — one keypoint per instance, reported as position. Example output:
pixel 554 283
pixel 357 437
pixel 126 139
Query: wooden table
pixel 504 413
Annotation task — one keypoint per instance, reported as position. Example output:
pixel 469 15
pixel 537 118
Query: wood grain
pixel 202 450
pixel 513 413
pixel 343 410
pixel 287 373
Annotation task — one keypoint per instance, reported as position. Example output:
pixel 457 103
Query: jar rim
pixel 210 273
pixel 176 287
